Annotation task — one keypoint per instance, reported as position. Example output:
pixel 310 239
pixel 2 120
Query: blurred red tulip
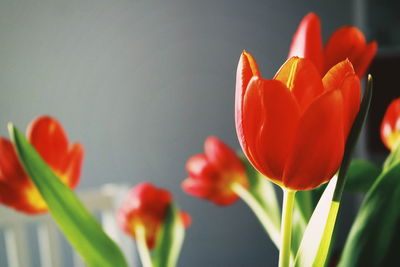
pixel 293 128
pixel 146 206
pixel 65 159
pixel 346 42
pixel 390 128
pixel 211 174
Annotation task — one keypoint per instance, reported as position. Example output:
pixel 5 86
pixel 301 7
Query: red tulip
pixel 293 128
pixel 65 159
pixel 211 174
pixel 146 205
pixel 390 128
pixel 346 42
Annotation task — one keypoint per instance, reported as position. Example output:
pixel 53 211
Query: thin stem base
pixel 286 227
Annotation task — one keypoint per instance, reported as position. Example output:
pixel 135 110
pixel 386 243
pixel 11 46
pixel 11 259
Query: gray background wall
pixel 142 83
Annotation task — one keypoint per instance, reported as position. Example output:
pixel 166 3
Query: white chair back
pixel 52 247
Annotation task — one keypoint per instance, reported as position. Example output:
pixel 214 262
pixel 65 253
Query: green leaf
pixel 314 247
pixel 323 216
pixel 376 225
pixel 264 192
pixel 169 240
pixel 304 203
pixel 298 227
pixel 261 199
pixel 78 225
pixel 361 176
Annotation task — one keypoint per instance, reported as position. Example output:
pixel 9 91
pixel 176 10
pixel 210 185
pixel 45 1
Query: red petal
pixel 221 156
pixel 15 187
pixel 186 218
pixel 318 147
pixel 351 93
pixel 303 79
pixel 346 42
pixel 365 58
pixel 334 78
pixel 16 198
pixel 197 187
pixel 270 116
pixel 224 199
pixel 11 170
pixel 199 167
pixel 48 137
pixel 73 170
pixel 307 41
pixel 247 68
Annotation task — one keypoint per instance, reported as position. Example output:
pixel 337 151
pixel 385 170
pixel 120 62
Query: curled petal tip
pixel 311 16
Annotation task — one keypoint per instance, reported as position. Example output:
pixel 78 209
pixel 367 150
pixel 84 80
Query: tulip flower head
pixel 49 139
pixel 390 128
pixel 346 42
pixel 146 207
pixel 212 174
pixel 293 128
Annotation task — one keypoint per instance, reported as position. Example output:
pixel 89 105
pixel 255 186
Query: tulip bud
pixel 146 206
pixel 212 174
pixel 49 139
pixel 390 128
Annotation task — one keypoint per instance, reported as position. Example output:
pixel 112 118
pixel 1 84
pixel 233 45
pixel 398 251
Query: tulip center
pixel 35 199
pixel 290 78
pixel 394 139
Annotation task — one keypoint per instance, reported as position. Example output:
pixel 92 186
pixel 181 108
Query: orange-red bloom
pixel 293 128
pixel 390 128
pixel 346 42
pixel 146 206
pixel 211 174
pixel 49 139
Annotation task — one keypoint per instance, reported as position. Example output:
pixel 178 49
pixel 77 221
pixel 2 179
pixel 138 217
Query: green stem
pixel 286 227
pixel 326 239
pixel 144 253
pixel 271 229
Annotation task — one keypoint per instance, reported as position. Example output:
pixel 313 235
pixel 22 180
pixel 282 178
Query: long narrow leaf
pixel 315 229
pixel 261 199
pixel 78 225
pixel 304 203
pixel 263 191
pixel 169 240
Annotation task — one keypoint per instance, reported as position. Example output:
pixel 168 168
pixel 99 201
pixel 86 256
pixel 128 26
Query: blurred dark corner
pixel 382 22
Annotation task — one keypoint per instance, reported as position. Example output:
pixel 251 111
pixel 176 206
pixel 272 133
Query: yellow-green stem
pixel 266 222
pixel 323 248
pixel 286 227
pixel 144 253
